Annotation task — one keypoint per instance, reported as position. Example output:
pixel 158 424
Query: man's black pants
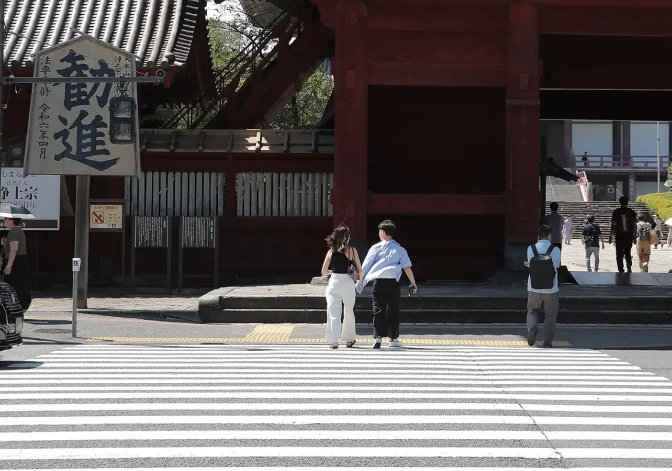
pixel 386 299
pixel 624 249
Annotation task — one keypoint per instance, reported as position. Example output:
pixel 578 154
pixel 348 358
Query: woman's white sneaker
pixel 395 343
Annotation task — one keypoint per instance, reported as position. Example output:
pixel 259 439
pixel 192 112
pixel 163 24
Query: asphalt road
pixel 86 405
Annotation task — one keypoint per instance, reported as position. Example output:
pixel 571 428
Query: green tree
pixel 234 34
pixel 234 31
pixel 306 108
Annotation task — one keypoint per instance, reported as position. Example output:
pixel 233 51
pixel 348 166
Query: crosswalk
pixel 207 407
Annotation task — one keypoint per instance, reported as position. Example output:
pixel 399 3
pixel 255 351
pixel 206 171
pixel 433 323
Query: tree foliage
pixel 233 31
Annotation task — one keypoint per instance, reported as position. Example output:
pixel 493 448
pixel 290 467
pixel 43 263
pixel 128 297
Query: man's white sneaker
pixel 395 343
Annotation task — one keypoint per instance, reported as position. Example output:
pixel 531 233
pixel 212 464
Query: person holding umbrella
pixel 16 270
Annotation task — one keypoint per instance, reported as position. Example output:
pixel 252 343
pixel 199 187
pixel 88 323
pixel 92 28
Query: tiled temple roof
pixel 158 32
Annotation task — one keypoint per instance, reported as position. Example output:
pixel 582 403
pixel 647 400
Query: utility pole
pixel 657 152
pixel 2 86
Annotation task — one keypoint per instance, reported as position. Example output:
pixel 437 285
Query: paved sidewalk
pixel 121 302
pixel 55 328
pixel 574 257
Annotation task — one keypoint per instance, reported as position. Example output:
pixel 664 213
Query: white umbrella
pixel 669 222
pixel 13 211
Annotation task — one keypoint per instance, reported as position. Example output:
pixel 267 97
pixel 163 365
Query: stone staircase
pixel 560 190
pixel 600 209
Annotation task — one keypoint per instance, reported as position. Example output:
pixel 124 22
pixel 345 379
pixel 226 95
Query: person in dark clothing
pixel 591 238
pixel 16 270
pixel 623 229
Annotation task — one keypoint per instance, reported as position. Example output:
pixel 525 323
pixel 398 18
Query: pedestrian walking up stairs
pixel 602 211
pixel 177 407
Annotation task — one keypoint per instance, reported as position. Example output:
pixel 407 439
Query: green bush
pixel 660 203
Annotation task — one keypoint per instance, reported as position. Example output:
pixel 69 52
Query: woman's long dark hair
pixel 339 240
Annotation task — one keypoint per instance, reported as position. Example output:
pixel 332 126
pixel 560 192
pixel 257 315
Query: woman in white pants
pixel 342 263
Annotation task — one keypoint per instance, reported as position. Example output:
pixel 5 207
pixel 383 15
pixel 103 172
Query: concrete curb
pixel 185 315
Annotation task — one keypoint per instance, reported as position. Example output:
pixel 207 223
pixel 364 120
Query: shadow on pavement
pixel 20 365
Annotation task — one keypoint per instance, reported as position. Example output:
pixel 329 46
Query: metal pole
pixel 76 265
pixel 2 86
pixel 658 152
pixel 74 304
pixel 82 237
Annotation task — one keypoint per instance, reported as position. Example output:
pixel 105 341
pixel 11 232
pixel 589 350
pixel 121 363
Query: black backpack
pixel 542 271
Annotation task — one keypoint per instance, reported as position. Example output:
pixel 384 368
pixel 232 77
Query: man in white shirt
pixel 550 298
pixel 383 265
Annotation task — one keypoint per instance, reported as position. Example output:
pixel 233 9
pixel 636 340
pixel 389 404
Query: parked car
pixel 11 318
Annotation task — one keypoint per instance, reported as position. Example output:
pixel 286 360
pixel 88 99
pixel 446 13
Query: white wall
pixel 644 188
pixel 643 138
pixel 594 137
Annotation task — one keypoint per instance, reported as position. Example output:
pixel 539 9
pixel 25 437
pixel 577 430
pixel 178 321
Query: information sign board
pixel 40 194
pixel 106 216
pixel 151 232
pixel 199 232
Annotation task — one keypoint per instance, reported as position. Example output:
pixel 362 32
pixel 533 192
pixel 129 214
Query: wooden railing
pixel 243 141
pixel 622 161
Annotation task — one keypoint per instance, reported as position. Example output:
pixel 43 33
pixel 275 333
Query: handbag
pixel 352 267
pixel 654 237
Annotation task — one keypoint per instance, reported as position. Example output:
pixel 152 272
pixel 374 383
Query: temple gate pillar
pixel 522 133
pixel 349 20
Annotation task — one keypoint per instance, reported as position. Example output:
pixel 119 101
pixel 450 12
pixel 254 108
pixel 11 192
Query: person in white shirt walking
pixel 383 265
pixel 543 260
pixel 567 230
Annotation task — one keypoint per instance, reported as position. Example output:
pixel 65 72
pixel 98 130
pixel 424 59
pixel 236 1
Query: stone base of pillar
pixel 515 255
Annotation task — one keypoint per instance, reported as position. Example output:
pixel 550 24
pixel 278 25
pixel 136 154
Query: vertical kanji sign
pixel 70 122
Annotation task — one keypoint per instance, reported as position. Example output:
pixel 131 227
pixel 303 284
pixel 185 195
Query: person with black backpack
pixel 543 260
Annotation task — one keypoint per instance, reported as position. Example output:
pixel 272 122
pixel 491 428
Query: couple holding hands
pixel 383 265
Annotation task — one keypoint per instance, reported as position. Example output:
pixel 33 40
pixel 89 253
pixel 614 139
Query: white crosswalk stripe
pixel 208 407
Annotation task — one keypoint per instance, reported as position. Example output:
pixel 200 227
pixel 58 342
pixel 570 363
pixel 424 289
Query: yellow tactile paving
pixel 269 333
pixel 259 336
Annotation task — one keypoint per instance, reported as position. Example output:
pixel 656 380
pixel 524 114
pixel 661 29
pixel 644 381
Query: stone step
pixel 568 314
pixel 602 211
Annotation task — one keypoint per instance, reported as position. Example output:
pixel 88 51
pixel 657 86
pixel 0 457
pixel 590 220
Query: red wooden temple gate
pixel 435 117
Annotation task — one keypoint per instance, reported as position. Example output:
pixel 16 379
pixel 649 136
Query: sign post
pixel 83 122
pixel 199 233
pixel 108 216
pixel 152 232
pixel 76 264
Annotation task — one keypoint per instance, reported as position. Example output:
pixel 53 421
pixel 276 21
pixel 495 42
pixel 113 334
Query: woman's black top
pixel 339 263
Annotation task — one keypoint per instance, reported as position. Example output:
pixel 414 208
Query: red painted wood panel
pixel 441 16
pixel 440 249
pixel 557 19
pixel 522 124
pixel 437 75
pixel 436 204
pixel 436 140
pixel 351 101
pixel 605 62
pixel 429 47
pixel 196 164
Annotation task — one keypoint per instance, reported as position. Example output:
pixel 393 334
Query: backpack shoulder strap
pixel 534 250
pixel 550 249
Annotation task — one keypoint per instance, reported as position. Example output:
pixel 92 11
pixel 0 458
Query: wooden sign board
pixel 199 232
pixel 150 232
